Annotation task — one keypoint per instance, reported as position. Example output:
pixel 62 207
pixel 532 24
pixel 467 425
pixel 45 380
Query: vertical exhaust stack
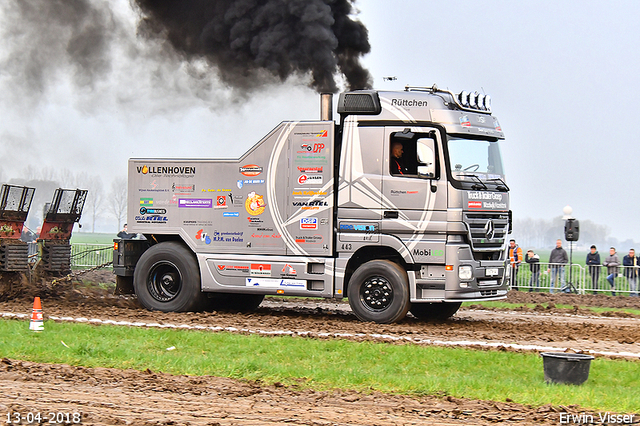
pixel 326 107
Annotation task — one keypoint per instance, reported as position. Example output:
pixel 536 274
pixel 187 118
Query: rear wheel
pixel 434 311
pixel 379 291
pixel 167 279
pixel 234 302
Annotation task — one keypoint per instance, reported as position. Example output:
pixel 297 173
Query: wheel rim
pixel 164 282
pixel 376 294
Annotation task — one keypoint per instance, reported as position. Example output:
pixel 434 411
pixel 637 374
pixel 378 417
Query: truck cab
pixel 421 170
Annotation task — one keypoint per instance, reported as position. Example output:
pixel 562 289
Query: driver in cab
pixel 398 166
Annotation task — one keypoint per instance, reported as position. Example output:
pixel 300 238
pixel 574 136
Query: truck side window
pixel 402 158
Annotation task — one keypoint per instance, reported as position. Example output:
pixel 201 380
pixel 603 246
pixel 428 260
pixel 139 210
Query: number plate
pixel 491 272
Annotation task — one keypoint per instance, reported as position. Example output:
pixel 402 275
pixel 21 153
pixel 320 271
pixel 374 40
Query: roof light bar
pixel 474 100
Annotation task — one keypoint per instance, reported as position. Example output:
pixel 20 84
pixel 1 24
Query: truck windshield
pixel 476 162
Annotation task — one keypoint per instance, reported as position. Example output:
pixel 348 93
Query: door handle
pixel 391 214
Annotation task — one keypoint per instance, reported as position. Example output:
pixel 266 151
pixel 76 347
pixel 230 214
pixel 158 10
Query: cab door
pixel 414 184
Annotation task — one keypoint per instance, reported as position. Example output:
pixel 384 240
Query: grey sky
pixel 562 77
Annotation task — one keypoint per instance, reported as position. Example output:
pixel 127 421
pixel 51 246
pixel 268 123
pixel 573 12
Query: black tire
pixel 379 291
pixel 434 311
pixel 167 279
pixel 234 302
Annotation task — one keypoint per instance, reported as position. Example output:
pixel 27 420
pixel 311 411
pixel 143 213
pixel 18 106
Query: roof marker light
pixel 473 100
pixel 481 99
pixel 487 103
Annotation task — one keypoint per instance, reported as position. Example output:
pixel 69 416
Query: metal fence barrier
pixel 82 255
pixel 582 279
pixel 90 255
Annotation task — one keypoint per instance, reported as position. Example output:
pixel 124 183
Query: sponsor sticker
pixel 251 170
pixel 181 187
pixel 309 223
pixel 195 203
pixel 233 268
pixel 289 270
pixel 231 214
pixel 166 170
pixel 201 235
pixel 309 239
pixel 475 204
pixel 275 283
pixel 221 202
pixel 151 219
pixel 314 148
pixel 255 204
pixel 310 169
pixel 145 210
pixel 310 180
pixel 300 193
pixel 260 270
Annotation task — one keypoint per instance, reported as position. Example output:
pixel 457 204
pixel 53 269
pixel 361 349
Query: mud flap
pixel 124 285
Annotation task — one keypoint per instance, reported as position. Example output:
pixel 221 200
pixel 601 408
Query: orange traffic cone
pixel 36 324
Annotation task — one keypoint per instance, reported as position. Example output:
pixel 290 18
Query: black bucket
pixel 560 367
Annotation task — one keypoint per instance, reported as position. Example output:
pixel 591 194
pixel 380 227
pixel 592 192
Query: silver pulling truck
pixel 401 206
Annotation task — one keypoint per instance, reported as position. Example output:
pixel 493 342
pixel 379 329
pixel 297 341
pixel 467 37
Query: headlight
pixel 465 272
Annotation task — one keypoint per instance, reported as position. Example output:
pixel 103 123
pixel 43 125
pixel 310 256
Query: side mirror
pixel 426 158
pixel 427 171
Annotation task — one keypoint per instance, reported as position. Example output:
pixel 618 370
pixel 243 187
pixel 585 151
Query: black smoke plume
pixel 248 42
pixel 45 38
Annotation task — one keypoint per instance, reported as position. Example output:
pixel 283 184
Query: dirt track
pixel 130 397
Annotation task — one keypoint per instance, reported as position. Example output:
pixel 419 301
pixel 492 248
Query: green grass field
pixel 324 364
pixel 92 238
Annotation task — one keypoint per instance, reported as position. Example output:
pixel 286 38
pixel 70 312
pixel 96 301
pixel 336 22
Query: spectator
pixel 515 259
pixel 124 234
pixel 631 271
pixel 557 261
pixel 593 261
pixel 612 262
pixel 534 266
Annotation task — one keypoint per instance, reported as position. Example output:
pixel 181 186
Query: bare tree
pixel 67 178
pixel 118 198
pixel 30 173
pixel 95 196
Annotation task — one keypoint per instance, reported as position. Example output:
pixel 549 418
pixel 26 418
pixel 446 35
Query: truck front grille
pixel 487 231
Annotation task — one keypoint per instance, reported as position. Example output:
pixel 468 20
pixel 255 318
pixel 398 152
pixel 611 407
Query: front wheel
pixel 379 291
pixel 434 311
pixel 167 279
